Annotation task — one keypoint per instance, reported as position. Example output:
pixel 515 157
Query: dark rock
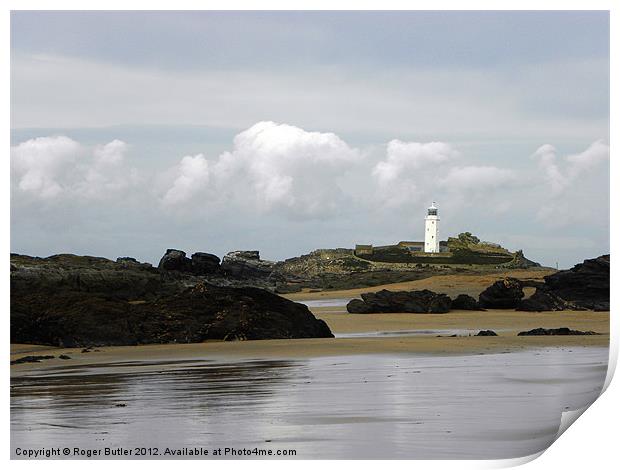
pixel 205 263
pixel 126 259
pixel 175 260
pixel 465 302
pixel 64 356
pixel 57 273
pixel 246 264
pixel 586 284
pixel 25 359
pixel 543 300
pixel 506 293
pixel 80 301
pixel 384 301
pixel 555 331
pixel 359 306
pixel 199 313
pixel 486 333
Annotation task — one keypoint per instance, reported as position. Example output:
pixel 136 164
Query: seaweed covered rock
pixel 465 302
pixel 543 301
pixel 486 333
pixel 586 284
pixel 203 312
pixel 555 332
pixel 385 301
pixel 583 287
pixel 506 293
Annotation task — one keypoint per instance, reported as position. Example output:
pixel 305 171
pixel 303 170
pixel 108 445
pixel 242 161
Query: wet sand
pixel 357 406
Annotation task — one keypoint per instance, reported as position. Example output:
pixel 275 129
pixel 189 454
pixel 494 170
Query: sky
pixel 134 132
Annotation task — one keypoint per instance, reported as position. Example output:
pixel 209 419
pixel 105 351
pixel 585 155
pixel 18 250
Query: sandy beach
pixel 507 324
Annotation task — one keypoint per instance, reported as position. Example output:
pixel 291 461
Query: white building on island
pixel 431 230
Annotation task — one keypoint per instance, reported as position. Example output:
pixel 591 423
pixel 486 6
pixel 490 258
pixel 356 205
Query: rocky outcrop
pixel 465 302
pixel 81 300
pixel 506 293
pixel 175 260
pixel 123 279
pixel 543 301
pixel 521 262
pixel 200 264
pixel 583 287
pixel 203 312
pixel 204 264
pixel 385 301
pixel 486 333
pixel 586 285
pixel 246 264
pixel 555 331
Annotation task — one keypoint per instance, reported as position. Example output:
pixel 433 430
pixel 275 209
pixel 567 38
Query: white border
pixel 591 443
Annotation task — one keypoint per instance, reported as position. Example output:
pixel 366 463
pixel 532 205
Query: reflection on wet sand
pixel 364 406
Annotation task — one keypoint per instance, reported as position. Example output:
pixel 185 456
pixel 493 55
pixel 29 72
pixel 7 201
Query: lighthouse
pixel 431 230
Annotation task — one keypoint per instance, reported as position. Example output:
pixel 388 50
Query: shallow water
pixel 382 334
pixel 373 406
pixel 325 302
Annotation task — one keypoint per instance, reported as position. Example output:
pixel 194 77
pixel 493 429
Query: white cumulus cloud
pixel 111 153
pixel 560 173
pixel 409 168
pixel 192 177
pixel 40 165
pixel 48 168
pixel 270 167
pixel 576 182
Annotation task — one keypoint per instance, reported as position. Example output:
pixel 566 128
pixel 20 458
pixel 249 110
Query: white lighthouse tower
pixel 431 230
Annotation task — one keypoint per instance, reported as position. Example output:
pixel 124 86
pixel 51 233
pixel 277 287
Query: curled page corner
pixel 568 418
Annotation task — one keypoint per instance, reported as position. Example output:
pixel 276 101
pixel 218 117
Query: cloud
pixel 562 173
pixel 42 164
pixel 574 184
pixel 403 156
pixel 111 153
pixel 55 91
pixel 192 177
pixel 49 168
pixel 404 174
pixel 271 167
